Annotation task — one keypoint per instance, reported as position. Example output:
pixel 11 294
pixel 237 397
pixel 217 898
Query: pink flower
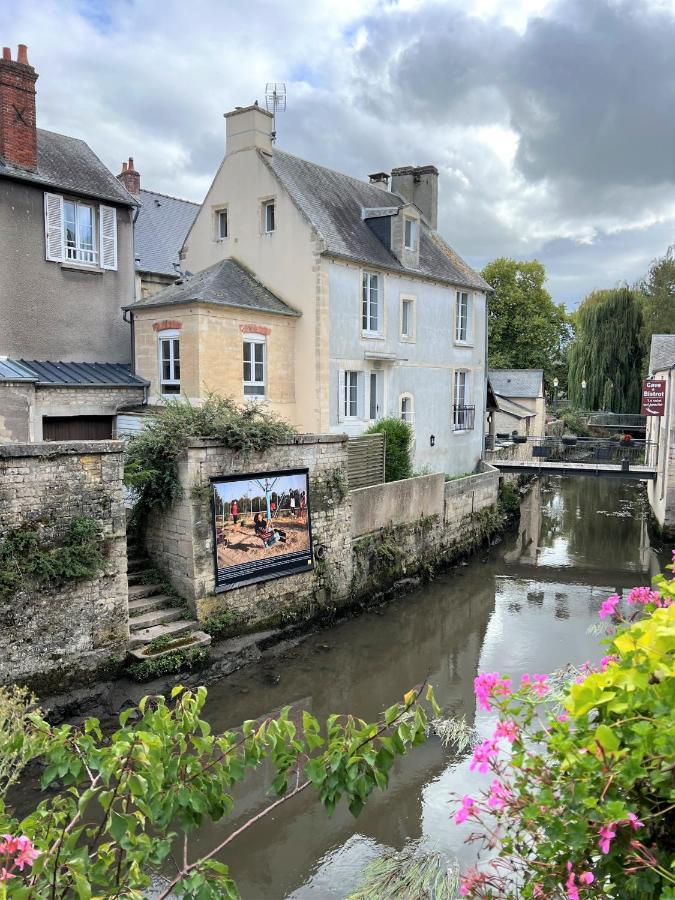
pixel 563 717
pixel 586 878
pixel 27 853
pixel 468 882
pixel 607 661
pixel 482 754
pixel 468 808
pixel 570 884
pixel 537 891
pixel 507 730
pixel 607 835
pixel 499 795
pixel 525 680
pixel 641 596
pixel 633 821
pixel 5 875
pixel 608 608
pixel 540 685
pixel 490 684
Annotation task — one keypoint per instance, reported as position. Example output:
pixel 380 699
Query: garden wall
pixel 49 633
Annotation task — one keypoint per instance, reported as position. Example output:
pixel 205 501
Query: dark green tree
pixel 658 301
pixel 608 351
pixel 526 329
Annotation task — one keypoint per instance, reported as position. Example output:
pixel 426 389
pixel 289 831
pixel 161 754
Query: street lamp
pixel 555 394
pixel 583 393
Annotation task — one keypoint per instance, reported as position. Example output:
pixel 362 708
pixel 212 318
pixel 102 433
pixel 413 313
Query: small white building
pixel 520 404
pixel 391 321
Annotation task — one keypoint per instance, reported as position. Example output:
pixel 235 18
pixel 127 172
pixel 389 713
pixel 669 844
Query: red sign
pixel 653 397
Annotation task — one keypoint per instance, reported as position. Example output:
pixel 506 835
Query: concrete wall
pixel 51 633
pixel 16 411
pixel 423 366
pixel 212 352
pixel 661 492
pixel 396 503
pixel 54 311
pixel 287 261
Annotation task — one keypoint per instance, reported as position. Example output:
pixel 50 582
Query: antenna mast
pixel 275 101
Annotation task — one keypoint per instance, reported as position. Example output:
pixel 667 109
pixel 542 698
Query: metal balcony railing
pixel 580 451
pixel 463 418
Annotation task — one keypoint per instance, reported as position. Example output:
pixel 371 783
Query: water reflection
pixel 524 607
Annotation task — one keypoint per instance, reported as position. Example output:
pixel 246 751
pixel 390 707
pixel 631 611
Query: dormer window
pixel 269 211
pixel 411 234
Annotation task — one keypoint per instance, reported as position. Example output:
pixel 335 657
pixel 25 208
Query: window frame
pixel 464 413
pixel 467 319
pixel 270 203
pixel 347 400
pixel 367 277
pixel 411 300
pixel 219 212
pixel 94 252
pixel 414 233
pixel 169 336
pixel 407 396
pixel 259 340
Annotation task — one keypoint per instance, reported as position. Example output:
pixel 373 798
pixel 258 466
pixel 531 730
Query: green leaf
pixel 606 738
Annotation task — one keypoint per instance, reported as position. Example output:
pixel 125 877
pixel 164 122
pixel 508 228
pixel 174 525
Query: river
pixel 523 606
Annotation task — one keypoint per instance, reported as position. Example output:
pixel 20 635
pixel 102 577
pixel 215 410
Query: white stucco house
pixel 391 321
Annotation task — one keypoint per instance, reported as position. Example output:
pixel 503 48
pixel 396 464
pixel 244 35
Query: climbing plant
pixel 607 352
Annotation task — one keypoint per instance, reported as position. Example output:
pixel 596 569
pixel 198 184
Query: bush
pixel 398 445
pixel 582 803
pixel 219 625
pixel 574 423
pixel 509 499
pixel 187 660
pixel 151 460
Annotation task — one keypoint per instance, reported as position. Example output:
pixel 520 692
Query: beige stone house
pixel 520 401
pixel 367 311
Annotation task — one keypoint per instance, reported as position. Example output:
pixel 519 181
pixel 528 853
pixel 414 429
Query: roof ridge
pixel 69 136
pixel 170 197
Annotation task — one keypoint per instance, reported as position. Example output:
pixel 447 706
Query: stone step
pixel 201 639
pixel 148 604
pixel 138 591
pixel 138 564
pixel 135 577
pixel 180 626
pixel 155 617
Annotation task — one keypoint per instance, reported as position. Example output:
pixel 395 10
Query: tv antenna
pixel 275 101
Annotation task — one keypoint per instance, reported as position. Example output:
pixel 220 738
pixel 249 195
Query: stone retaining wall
pixel 51 633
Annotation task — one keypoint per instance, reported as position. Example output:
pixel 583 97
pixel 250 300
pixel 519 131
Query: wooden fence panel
pixel 366 460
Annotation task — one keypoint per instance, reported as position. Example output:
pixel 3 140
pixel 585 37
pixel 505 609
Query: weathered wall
pixel 52 310
pixel 396 503
pixel 48 633
pixel 661 492
pixel 16 411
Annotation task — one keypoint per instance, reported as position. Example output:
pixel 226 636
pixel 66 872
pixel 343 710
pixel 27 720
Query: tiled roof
pixel 226 283
pixel 70 373
pixel 516 382
pixel 662 354
pixel 68 164
pixel 160 230
pixel 333 203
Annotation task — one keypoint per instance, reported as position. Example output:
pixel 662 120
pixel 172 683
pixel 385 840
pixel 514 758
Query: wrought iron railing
pixel 580 451
pixel 463 417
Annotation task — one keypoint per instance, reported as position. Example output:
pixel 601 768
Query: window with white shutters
pixel 108 223
pixel 54 227
pixel 73 234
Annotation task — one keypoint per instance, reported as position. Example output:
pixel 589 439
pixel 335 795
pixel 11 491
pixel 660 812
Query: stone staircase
pixel 154 614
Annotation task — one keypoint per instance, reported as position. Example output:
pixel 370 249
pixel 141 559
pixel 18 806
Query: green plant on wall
pixel 398 447
pixel 27 559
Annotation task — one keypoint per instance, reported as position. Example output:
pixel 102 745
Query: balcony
pixel 463 418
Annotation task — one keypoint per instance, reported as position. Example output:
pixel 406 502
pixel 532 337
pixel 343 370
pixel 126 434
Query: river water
pixel 523 606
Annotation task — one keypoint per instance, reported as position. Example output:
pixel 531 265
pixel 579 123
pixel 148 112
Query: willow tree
pixel 607 352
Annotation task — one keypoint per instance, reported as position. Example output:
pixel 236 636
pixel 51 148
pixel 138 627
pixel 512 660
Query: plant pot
pixel 569 440
pixel 503 436
pixel 519 439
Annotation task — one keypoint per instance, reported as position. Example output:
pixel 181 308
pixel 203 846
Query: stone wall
pixel 49 634
pixel 396 503
pixel 179 541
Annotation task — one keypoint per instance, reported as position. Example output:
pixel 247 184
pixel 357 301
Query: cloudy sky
pixel 552 122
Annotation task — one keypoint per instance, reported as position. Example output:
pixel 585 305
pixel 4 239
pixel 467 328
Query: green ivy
pixel 25 559
pixel 187 660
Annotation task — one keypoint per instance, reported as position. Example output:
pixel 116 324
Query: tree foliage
pixel 398 449
pixel 658 300
pixel 526 329
pixel 118 804
pixel 608 352
pixel 581 801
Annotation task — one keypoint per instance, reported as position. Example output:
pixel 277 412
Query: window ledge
pixel 469 344
pixel 408 340
pixel 372 336
pixel 81 267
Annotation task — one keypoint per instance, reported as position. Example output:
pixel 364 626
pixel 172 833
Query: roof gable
pixel 68 164
pixel 333 203
pixel 160 231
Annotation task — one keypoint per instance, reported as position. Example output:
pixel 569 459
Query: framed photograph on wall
pixel 262 526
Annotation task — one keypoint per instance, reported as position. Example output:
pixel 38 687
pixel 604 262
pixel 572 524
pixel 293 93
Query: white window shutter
pixel 54 227
pixel 108 232
pixel 361 395
pixel 341 395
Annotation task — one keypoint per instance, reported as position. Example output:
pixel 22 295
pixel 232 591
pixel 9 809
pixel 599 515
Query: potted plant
pixel 503 435
pixel 519 439
pixel 569 440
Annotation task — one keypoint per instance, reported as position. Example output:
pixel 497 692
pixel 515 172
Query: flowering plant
pixel 582 794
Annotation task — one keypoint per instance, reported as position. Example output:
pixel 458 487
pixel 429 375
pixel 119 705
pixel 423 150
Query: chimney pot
pixel 381 178
pixel 130 178
pixel 6 53
pixel 131 162
pixel 23 55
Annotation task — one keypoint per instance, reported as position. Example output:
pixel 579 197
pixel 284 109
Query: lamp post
pixel 583 393
pixel 555 395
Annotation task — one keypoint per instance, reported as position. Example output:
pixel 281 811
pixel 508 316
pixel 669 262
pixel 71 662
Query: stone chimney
pixel 381 179
pixel 130 178
pixel 248 128
pixel 418 185
pixel 18 133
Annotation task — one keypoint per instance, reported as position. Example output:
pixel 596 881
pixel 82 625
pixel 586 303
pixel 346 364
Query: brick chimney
pixel 130 178
pixel 418 185
pixel 18 134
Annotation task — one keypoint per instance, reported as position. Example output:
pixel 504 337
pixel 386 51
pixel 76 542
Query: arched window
pixel 407 408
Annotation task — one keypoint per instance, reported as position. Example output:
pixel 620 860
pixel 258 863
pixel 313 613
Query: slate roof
pixel 68 164
pixel 662 354
pixel 226 283
pixel 69 373
pixel 332 202
pixel 516 382
pixel 160 231
pixel 511 408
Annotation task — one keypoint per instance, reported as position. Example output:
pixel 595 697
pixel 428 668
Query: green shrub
pixel 509 499
pixel 220 624
pixel 151 460
pixel 573 420
pixel 398 445
pixel 187 660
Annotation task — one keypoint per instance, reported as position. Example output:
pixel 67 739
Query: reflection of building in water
pixel 529 529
